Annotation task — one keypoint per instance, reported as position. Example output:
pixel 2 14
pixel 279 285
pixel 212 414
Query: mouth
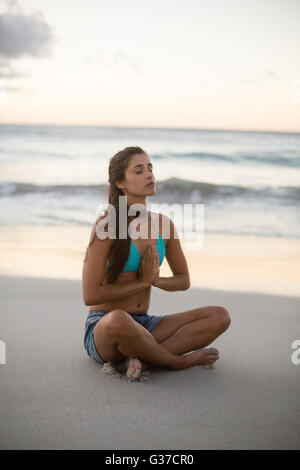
pixel 150 185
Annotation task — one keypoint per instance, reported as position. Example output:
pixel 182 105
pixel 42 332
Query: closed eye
pixel 140 172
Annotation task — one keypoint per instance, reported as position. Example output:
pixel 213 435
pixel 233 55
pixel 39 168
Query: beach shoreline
pixel 54 390
pixel 245 263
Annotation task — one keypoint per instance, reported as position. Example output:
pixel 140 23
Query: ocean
pixel 249 182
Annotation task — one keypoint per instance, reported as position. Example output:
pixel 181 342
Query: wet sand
pixel 227 262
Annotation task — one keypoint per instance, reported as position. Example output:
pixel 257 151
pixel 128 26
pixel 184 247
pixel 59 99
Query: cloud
pixel 22 35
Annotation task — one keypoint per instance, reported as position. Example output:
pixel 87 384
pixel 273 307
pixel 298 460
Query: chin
pixel 151 190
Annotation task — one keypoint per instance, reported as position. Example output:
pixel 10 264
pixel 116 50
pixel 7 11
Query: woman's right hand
pixel 148 266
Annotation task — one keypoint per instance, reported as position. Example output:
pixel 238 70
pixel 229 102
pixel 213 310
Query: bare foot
pixel 206 358
pixel 134 368
pixel 203 357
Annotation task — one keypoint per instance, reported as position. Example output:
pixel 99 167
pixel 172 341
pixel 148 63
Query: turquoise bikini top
pixel 133 261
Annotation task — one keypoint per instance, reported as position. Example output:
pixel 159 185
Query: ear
pixel 119 185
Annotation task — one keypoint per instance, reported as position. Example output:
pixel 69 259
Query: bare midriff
pixel 134 303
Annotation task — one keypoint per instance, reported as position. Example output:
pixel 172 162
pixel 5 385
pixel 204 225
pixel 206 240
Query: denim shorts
pixel 147 321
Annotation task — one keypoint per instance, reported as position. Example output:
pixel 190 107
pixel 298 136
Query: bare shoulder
pixel 97 237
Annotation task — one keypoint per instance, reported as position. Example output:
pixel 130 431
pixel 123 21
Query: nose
pixel 150 175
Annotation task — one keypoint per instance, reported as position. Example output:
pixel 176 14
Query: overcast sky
pixel 215 64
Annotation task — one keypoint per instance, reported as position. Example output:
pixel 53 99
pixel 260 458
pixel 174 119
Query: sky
pixel 215 64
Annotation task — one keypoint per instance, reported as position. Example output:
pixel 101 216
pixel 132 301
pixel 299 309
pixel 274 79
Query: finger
pixel 145 256
pixel 149 255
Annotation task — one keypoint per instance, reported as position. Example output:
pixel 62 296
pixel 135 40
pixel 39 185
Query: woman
pixel 117 279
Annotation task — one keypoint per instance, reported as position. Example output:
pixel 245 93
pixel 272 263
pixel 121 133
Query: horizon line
pixel 150 127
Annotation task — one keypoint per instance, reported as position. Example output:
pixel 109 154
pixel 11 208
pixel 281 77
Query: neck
pixel 136 200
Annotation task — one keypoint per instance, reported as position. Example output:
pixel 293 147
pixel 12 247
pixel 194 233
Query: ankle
pixel 181 362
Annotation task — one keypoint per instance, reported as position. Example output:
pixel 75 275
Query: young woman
pixel 117 278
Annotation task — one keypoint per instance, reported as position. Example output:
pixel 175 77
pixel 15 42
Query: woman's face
pixel 138 175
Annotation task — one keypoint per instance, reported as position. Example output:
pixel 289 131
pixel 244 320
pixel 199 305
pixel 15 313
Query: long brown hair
pixel 119 250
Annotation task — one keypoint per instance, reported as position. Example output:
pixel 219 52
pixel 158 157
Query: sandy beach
pixel 53 396
pixel 125 109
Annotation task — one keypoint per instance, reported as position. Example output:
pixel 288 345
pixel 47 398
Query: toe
pixel 214 351
pixel 134 368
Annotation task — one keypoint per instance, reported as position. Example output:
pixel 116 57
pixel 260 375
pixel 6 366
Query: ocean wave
pixel 210 190
pixel 264 158
pixel 196 155
pixel 11 188
pixel 172 187
pixel 8 154
pixel 287 158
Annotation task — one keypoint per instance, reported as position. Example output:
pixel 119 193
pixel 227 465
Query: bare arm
pixel 177 262
pixel 105 293
pixel 172 283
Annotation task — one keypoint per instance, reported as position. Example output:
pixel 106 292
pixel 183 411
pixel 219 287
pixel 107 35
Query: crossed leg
pixel 187 331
